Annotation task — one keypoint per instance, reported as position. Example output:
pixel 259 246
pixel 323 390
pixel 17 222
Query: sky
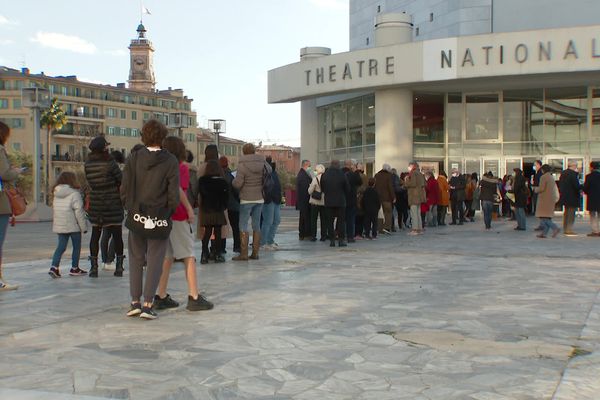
pixel 218 51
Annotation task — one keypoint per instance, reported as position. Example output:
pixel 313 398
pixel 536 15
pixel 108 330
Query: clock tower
pixel 141 64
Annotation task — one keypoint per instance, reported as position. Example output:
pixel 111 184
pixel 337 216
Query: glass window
pixel 111 112
pixel 16 146
pixel 122 132
pixel 369 119
pixel 355 123
pixel 3 103
pixel 18 122
pixel 454 117
pixel 123 114
pixel 16 104
pixel 482 116
pixel 111 130
pixel 565 115
pixel 339 126
pixel 146 116
pixel 428 118
pixel 523 115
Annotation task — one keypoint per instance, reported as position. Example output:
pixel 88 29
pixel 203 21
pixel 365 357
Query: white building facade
pixel 463 92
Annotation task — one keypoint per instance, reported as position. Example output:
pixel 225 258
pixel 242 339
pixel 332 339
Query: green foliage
pixel 287 179
pixel 25 181
pixel 54 117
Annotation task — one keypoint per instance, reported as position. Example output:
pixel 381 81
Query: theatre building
pixel 486 87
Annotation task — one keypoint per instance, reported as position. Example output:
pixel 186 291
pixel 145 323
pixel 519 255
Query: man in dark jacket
pixel 591 187
pixel 385 190
pixel 371 205
pixel 570 196
pixel 457 185
pixel 354 180
pixel 335 187
pixel 233 206
pixel 271 208
pixel 521 193
pixel 303 180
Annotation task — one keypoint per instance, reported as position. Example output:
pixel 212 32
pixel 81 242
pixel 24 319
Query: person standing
pixel 457 197
pixel 105 208
pixel 444 198
pixel 521 193
pixel 488 192
pixel 68 222
pixel 354 181
pixel 233 206
pixel 385 190
pixel 107 243
pixel 371 205
pixel 335 188
pixel 432 191
pixel 251 171
pixel 359 227
pixel 8 176
pixel 537 169
pixel 415 184
pixel 546 202
pixel 271 211
pixel 150 177
pixel 181 240
pixel 591 187
pixel 303 180
pixel 570 196
pixel 213 197
pixel 317 204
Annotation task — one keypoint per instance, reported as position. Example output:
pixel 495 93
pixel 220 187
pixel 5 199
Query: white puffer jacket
pixel 69 215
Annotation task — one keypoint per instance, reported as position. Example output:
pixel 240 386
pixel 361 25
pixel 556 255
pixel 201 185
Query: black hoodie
pixel 151 178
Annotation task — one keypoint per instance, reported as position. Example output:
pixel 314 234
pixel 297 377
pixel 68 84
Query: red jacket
pixel 433 191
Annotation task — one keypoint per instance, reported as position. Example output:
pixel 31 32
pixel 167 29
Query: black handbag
pixel 317 195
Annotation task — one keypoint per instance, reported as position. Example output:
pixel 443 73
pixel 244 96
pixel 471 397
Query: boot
pixel 94 267
pixel 255 245
pixel 119 266
pixel 243 248
pixel 342 242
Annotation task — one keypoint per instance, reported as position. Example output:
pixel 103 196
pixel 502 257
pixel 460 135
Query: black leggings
pixel 208 230
pixel 117 235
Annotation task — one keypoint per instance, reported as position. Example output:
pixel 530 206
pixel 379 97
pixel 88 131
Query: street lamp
pixel 218 126
pixel 37 99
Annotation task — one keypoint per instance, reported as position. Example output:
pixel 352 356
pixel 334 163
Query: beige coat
pixel 415 184
pixel 315 185
pixel 547 196
pixel 9 177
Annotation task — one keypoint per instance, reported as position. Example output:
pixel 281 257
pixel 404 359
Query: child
pixel 69 222
pixel 214 196
pixel 371 205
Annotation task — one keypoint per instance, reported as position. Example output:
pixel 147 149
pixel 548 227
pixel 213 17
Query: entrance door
pixel 472 166
pixel 510 163
pixel 493 165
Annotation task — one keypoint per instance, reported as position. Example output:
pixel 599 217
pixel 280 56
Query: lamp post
pixel 178 121
pixel 218 126
pixel 36 99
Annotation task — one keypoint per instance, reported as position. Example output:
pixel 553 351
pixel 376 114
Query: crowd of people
pixel 159 194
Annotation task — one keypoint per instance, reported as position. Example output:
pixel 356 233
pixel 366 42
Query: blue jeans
pixel 487 207
pixel 547 224
pixel 4 219
pixel 63 240
pixel 271 220
pixel 521 218
pixel 248 210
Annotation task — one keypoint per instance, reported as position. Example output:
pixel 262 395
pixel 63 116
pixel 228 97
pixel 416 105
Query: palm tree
pixel 53 118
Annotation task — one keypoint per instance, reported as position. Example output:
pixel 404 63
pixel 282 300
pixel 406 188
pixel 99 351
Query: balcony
pixel 71 131
pixel 68 158
pixel 83 116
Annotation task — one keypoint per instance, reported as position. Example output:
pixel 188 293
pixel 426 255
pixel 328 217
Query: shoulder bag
pixel 317 194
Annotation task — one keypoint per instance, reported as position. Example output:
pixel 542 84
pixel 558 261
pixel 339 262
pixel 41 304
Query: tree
pixel 25 180
pixel 53 118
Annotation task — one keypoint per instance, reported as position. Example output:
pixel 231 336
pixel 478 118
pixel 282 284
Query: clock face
pixel 139 63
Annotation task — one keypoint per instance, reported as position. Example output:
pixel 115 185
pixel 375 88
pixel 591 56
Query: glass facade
pixel 476 132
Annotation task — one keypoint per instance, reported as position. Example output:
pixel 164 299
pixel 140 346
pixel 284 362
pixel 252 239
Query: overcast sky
pixel 218 51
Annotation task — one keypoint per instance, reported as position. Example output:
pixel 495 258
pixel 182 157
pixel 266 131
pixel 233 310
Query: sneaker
pixel 570 234
pixel 148 313
pixel 164 303
pixel 109 266
pixel 7 286
pixel 219 259
pixel 386 232
pixel 135 309
pixel 77 272
pixel 275 246
pixel 199 304
pixel 54 273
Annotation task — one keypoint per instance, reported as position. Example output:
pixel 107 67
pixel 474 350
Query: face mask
pixel 534 168
pixel 455 175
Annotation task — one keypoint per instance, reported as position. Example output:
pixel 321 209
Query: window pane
pixel 596 113
pixel 339 126
pixel 523 115
pixel 428 118
pixel 566 114
pixel 482 117
pixel 454 117
pixel 369 119
pixel 355 123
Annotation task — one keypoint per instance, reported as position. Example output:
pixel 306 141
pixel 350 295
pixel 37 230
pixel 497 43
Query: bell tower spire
pixel 141 67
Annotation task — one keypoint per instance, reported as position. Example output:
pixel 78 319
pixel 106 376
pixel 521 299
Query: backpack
pixel 267 183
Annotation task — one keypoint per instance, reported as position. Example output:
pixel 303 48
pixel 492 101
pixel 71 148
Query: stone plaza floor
pixel 458 313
